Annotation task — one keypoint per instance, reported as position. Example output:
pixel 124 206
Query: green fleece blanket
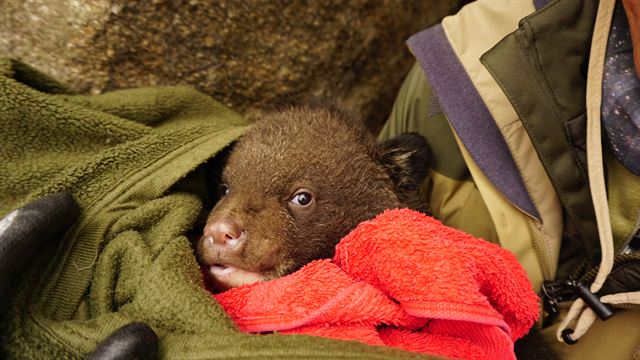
pixel 128 157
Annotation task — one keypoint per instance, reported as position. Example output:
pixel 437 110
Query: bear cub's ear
pixel 407 158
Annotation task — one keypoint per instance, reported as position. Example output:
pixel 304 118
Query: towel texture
pixel 123 156
pixel 403 280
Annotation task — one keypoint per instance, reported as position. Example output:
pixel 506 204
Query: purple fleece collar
pixel 469 116
pixel 539 4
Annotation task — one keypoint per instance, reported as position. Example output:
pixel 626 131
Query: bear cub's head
pixel 295 184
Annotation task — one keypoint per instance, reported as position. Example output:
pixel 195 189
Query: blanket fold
pixel 404 280
pixel 122 155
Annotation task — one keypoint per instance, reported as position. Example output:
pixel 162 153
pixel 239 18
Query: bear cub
pixel 296 183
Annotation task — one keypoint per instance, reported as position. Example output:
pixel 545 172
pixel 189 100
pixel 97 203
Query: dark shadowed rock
pixel 248 54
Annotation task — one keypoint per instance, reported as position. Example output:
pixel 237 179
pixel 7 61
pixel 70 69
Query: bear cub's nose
pixel 225 233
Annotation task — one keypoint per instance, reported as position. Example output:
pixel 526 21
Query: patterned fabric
pixel 621 95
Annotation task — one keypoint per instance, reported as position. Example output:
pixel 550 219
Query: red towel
pixel 405 280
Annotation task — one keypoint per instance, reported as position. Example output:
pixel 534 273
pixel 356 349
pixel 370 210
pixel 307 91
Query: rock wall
pixel 249 54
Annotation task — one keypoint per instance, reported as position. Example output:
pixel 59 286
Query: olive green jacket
pixel 499 91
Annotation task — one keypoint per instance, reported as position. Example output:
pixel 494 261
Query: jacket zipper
pixel 540 248
pixel 556 292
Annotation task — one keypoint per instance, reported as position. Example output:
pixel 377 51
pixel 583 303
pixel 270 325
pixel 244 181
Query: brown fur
pixel 322 150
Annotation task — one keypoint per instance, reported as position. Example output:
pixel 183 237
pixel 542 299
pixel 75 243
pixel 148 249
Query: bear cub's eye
pixel 223 190
pixel 302 198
